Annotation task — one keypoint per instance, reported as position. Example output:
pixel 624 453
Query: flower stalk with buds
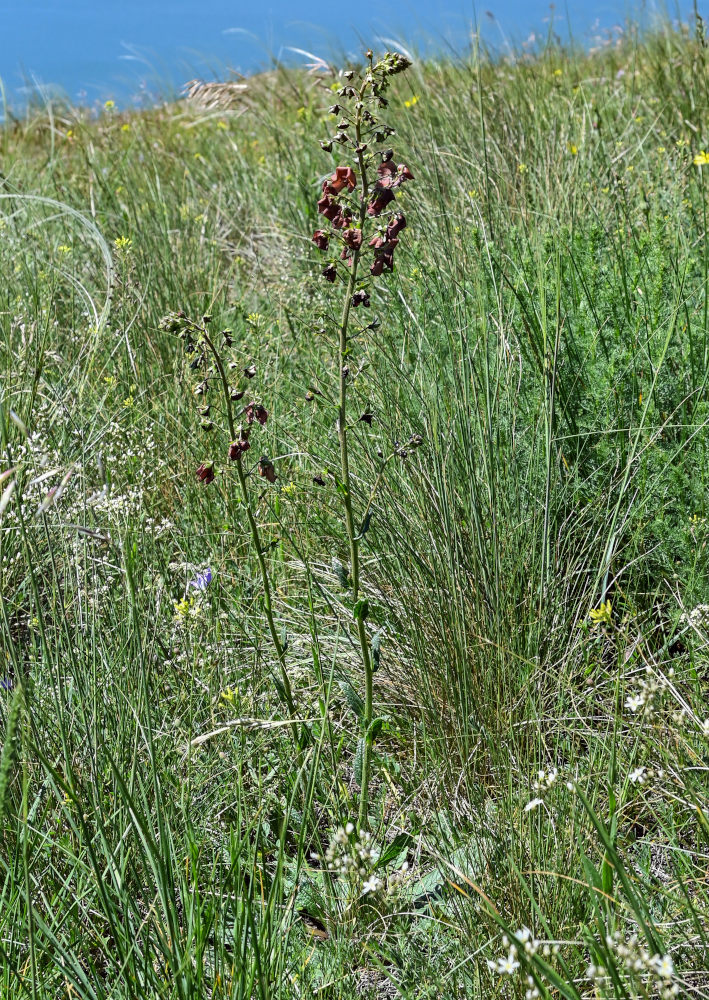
pixel 206 358
pixel 352 202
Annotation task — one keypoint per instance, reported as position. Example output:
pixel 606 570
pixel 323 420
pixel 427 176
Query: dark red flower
pixel 255 411
pixel 328 207
pixel 205 473
pixel 395 225
pixel 266 469
pixel 342 220
pixel 352 238
pixel 238 447
pixel 382 197
pixel 329 272
pixel 320 239
pixel 383 255
pixel 344 177
pixel 386 174
pixel 391 175
pixel 360 298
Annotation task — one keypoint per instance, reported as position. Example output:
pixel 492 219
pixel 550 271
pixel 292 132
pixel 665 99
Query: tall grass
pixel 540 767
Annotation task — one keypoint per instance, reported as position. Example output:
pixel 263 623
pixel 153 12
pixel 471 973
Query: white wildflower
pixel 506 966
pixel 373 884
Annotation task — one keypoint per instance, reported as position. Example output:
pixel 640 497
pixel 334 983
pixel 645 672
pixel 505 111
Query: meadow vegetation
pixel 493 611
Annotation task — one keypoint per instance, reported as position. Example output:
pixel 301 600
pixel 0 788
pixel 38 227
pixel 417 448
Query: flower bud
pixel 266 469
pixel 205 473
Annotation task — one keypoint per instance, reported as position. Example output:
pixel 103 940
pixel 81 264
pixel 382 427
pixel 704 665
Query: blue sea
pixel 133 51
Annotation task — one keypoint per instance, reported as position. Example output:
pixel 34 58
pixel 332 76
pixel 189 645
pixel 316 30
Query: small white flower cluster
pixel 629 953
pixel 350 855
pixel 646 694
pixel 524 946
pixel 545 780
pixel 697 618
pixel 641 775
pixel 346 854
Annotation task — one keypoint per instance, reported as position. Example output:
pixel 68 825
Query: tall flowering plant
pixel 360 233
pixel 214 370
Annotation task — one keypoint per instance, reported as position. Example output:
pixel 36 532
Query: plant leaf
pixel 354 702
pixel 361 609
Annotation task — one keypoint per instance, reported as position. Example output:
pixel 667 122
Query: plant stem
pixel 256 542
pixel 346 482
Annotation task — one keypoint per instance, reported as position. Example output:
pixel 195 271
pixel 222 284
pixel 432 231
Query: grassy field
pixel 495 615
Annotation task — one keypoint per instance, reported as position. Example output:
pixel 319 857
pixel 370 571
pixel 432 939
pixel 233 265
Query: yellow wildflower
pixel 410 104
pixel 601 615
pixel 109 105
pixel 185 609
pixel 701 159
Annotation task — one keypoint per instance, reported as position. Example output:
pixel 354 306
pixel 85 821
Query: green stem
pixel 346 481
pixel 256 542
